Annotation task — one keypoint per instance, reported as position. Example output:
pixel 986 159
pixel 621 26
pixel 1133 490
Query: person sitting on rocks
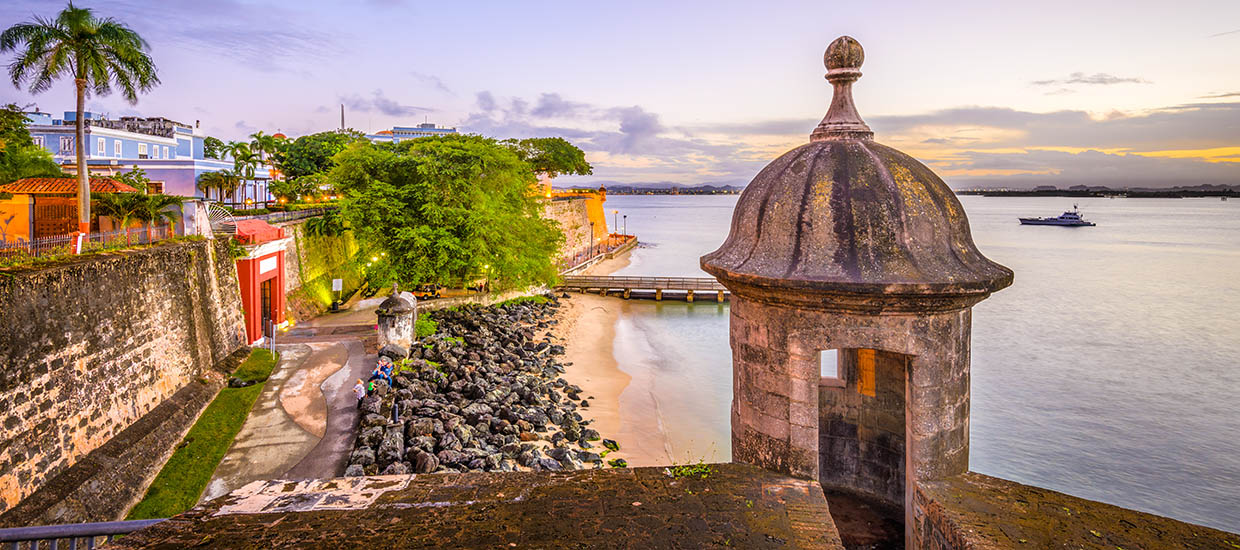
pixel 359 390
pixel 385 366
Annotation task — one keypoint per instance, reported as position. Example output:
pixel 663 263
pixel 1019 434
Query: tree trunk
pixel 83 194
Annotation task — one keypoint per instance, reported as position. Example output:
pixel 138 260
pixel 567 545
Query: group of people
pixel 383 371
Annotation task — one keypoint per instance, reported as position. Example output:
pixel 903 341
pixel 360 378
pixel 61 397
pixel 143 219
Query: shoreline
pixel 587 329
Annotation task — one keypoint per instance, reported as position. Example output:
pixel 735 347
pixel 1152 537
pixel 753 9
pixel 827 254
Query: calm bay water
pixel 1109 370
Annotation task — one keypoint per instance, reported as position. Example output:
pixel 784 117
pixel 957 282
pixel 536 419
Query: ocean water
pixel 1109 370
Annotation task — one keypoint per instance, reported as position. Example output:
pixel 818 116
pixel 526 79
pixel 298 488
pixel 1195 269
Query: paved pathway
pixel 302 425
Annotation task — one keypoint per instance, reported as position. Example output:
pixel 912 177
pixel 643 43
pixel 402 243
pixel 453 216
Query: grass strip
pixel 185 476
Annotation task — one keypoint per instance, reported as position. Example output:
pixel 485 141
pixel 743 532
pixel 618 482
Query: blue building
pixel 171 153
pixel 401 133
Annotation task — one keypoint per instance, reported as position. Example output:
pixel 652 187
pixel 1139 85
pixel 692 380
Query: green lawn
pixel 182 480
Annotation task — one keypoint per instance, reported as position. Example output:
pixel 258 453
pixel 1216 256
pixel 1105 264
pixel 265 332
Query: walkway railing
pixel 64 245
pixel 86 534
pixel 608 245
pixel 641 283
pixel 278 217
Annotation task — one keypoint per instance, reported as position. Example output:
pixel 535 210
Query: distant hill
pixel 659 188
pixel 1103 191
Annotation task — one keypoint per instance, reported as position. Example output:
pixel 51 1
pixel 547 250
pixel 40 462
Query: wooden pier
pixel 686 288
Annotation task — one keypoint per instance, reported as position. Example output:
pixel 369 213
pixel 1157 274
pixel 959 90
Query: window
pixel 166 152
pixel 829 368
pixel 38 140
pixel 66 144
pixel 101 147
pixel 142 151
pixel 156 151
pixel 155 187
pixel 116 148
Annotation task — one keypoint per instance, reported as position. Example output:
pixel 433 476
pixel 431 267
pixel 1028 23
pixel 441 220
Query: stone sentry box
pixel 397 318
pixel 845 244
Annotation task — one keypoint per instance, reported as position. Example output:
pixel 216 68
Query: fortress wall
pixel 574 218
pixel 310 264
pixel 89 346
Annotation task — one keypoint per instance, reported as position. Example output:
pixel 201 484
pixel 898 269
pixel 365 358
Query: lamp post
pixel 615 225
pixel 626 226
pixel 591 254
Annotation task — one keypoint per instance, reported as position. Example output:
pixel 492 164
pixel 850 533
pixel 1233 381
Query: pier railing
pixel 641 283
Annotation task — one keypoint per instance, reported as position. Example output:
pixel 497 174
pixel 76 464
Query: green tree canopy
pixel 213 148
pixel 448 210
pixel 313 154
pixel 552 156
pixel 19 156
pixel 135 178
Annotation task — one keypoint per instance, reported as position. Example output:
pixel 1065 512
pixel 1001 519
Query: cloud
pixel 381 103
pixel 1225 33
pixel 1091 168
pixel 1098 79
pixel 552 106
pixel 433 81
pixel 1222 95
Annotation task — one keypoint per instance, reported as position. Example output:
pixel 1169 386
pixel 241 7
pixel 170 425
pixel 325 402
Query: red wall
pixel 251 292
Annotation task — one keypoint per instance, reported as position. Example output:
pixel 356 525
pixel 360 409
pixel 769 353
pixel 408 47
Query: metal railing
pixel 641 283
pixel 63 245
pixel 277 217
pixel 586 254
pixel 70 535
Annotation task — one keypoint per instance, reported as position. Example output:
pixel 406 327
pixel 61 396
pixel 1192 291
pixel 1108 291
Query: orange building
pixel 45 207
pixel 261 275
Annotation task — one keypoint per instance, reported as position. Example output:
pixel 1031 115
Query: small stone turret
pixel 853 274
pixel 397 317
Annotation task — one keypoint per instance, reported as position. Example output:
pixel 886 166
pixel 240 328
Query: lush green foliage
pixel 313 154
pixel 448 210
pixel 425 326
pixel 122 207
pixel 135 178
pixel 552 156
pixel 224 182
pixel 329 224
pixel 524 300
pixel 19 156
pixel 213 147
pixel 186 474
pixel 292 189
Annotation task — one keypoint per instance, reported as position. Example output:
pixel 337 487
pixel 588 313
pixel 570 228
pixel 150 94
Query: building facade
pixel 171 153
pixel 401 133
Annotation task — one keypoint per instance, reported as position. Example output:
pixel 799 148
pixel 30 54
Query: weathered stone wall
pixel 90 346
pixel 574 219
pixel 776 378
pixel 310 264
pixel 974 511
pixel 861 425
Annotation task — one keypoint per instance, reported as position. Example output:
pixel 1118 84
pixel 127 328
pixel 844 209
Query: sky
pixel 989 94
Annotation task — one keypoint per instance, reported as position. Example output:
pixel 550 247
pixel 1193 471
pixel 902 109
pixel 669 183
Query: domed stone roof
pixel 846 220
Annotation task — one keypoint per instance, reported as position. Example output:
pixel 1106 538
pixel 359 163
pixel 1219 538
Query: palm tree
pixel 121 206
pixel 245 160
pixel 222 181
pixel 155 208
pixel 97 52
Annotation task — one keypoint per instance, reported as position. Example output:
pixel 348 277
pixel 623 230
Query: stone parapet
pixel 978 512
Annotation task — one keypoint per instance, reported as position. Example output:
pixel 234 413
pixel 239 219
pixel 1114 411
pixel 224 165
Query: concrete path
pixel 302 425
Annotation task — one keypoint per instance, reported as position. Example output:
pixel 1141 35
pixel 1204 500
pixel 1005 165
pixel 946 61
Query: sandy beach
pixel 619 409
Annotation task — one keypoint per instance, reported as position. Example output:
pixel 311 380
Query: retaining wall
pixel 89 346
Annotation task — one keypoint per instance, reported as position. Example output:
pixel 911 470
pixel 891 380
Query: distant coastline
pixel 1136 193
pixel 672 190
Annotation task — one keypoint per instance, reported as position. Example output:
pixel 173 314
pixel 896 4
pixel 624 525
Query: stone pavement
pixel 302 424
pixel 736 506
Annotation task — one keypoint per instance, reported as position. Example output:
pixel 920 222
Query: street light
pixel 591 239
pixel 626 225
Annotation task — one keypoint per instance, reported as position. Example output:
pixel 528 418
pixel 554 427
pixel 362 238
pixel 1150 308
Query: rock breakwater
pixel 484 393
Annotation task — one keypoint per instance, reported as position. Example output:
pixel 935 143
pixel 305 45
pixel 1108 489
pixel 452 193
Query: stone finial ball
pixel 844 53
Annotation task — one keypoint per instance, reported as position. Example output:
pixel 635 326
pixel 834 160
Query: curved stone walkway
pixel 302 424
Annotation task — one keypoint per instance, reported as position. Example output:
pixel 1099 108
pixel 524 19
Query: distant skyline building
pixel 401 133
pixel 171 153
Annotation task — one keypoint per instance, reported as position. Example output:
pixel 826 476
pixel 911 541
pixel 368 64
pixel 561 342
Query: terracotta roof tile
pixel 64 186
